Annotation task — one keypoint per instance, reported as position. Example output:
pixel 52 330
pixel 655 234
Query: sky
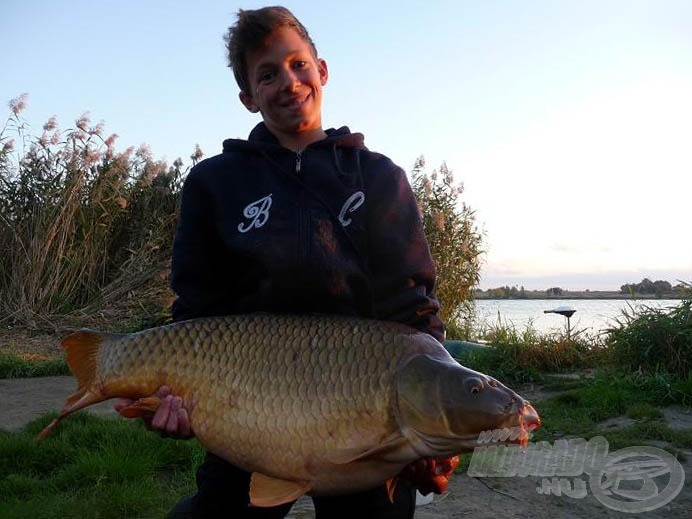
pixel 568 123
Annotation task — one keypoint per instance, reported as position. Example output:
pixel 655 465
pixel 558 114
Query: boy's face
pixel 286 81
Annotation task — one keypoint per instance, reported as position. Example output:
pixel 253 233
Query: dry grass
pixel 30 346
pixel 85 232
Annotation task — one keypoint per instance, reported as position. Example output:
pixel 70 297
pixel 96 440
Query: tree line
pixel 646 287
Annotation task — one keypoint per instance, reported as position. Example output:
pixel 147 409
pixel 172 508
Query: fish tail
pixel 81 351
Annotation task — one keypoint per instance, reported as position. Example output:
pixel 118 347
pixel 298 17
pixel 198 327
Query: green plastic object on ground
pixel 461 349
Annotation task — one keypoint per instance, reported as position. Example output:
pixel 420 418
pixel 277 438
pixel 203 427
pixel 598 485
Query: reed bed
pixel 85 230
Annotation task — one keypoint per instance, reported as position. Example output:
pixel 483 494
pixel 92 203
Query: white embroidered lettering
pixel 354 202
pixel 257 214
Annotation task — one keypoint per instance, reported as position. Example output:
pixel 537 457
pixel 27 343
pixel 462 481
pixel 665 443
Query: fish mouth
pixel 517 430
pixel 529 417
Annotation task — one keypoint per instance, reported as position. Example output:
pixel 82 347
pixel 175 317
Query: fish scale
pixel 309 404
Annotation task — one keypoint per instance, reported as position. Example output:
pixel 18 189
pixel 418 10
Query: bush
pixel 455 243
pixel 653 340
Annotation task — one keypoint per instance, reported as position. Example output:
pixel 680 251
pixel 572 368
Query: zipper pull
pixel 298 159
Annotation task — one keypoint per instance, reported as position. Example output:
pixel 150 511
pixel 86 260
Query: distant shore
pixel 587 294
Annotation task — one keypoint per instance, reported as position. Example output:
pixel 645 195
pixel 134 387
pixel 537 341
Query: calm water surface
pixel 592 315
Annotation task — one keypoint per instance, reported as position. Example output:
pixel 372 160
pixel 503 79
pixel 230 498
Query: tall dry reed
pixel 84 229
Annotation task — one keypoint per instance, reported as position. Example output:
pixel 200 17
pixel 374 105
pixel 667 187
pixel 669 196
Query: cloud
pixel 580 248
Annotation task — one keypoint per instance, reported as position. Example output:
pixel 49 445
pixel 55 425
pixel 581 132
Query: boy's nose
pixel 289 79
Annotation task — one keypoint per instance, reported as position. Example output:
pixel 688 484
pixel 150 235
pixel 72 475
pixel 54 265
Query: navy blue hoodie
pixel 333 229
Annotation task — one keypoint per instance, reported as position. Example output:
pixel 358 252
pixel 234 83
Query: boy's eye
pixel 265 76
pixel 299 64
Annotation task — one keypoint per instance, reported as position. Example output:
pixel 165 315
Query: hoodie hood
pixel 262 139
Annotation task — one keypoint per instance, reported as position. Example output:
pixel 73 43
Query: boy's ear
pixel 248 102
pixel 323 70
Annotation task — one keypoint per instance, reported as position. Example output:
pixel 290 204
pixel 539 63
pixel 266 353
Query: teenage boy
pixel 297 219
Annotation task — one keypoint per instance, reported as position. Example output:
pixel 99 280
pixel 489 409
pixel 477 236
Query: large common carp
pixel 308 404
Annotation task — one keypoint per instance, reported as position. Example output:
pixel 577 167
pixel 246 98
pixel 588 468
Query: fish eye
pixel 474 385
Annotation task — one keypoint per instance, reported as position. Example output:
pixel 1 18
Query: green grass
pixel 15 366
pixel 513 356
pixel 579 412
pixel 93 467
pixel 580 407
pixel 644 411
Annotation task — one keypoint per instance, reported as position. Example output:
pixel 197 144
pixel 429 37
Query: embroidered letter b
pixel 257 214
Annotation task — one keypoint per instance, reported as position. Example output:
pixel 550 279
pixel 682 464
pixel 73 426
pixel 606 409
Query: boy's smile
pixel 286 81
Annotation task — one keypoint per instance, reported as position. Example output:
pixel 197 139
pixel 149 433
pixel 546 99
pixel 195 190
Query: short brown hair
pixel 250 32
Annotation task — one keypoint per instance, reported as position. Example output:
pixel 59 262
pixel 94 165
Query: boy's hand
pixel 171 418
pixel 431 474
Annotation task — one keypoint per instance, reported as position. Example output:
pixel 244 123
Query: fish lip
pixel 529 421
pixel 525 433
pixel 520 426
pixel 529 416
pixel 527 413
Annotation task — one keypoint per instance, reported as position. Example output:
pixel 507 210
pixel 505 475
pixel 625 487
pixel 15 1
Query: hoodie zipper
pixel 299 157
pixel 304 215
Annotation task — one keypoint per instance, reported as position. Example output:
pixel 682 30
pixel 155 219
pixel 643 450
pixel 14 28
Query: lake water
pixel 592 315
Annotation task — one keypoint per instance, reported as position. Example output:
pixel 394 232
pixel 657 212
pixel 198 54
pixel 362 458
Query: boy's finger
pixel 161 416
pixel 122 403
pixel 163 392
pixel 184 423
pixel 172 422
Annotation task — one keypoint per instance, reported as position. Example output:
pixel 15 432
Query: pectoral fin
pixel 268 491
pixel 387 449
pixel 145 406
pixel 390 485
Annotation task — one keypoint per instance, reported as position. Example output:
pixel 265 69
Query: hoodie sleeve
pixel 195 270
pixel 403 272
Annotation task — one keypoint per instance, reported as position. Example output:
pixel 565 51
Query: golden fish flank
pixel 309 404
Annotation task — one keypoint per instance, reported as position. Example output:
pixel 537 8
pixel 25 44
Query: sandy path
pixel 24 399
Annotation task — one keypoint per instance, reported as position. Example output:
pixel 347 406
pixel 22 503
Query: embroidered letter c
pixel 354 202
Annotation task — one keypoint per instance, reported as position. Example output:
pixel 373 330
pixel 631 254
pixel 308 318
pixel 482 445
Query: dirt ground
pixel 22 400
